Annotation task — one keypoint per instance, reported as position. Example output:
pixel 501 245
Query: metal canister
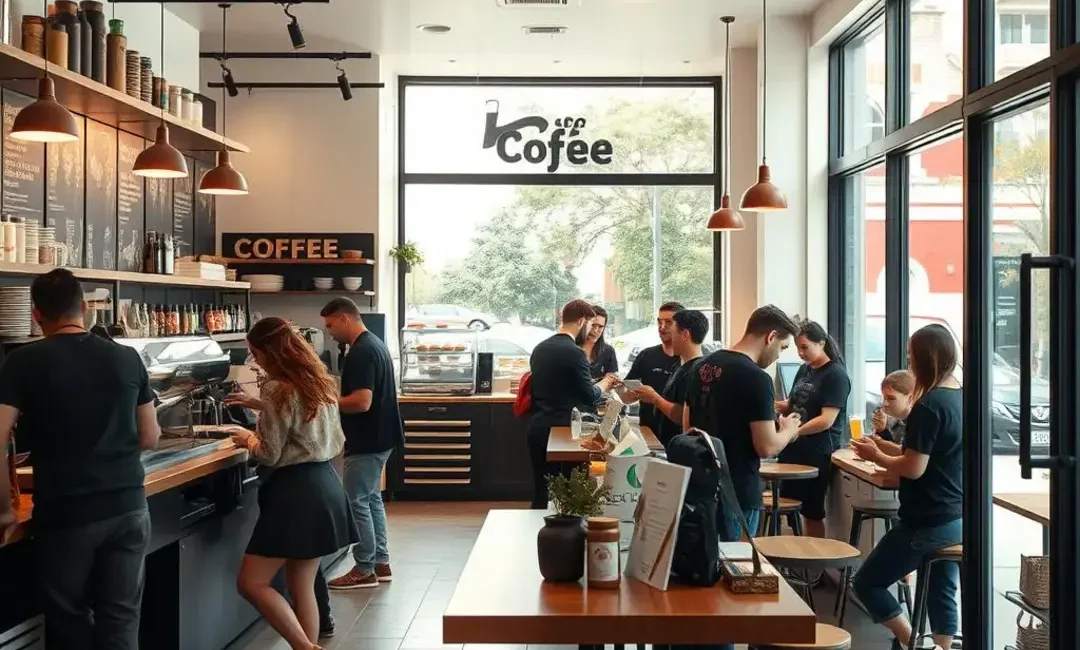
pixel 56 45
pixel 95 16
pixel 175 100
pixel 160 93
pixel 33 35
pixel 67 15
pixel 187 105
pixel 116 56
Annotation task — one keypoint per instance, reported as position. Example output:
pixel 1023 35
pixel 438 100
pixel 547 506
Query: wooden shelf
pixel 330 292
pixel 22 70
pixel 342 261
pixel 99 275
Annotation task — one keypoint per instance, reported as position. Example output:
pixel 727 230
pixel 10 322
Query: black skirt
pixel 303 513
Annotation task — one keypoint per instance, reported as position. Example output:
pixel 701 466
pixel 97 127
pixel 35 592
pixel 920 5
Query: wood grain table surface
pixel 501 598
pixel 846 461
pixel 1035 507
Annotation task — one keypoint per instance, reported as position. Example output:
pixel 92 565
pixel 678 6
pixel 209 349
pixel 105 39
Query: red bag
pixel 523 401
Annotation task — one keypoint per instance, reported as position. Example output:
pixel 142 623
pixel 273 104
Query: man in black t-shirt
pixel 373 429
pixel 690 329
pixel 654 366
pixel 85 412
pixel 731 397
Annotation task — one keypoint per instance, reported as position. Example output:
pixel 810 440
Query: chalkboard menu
pixel 183 211
pixel 100 242
pixel 159 205
pixel 64 192
pixel 205 237
pixel 130 203
pixel 24 162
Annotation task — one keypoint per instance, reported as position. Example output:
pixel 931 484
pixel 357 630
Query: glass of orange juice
pixel 856 424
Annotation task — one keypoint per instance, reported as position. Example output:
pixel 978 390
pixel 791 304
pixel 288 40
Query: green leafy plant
pixel 579 495
pixel 407 253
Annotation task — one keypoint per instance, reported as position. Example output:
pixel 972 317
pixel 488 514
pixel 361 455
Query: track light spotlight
pixel 343 82
pixel 296 34
pixel 227 78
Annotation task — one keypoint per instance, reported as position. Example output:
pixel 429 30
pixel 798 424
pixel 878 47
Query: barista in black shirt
pixel 731 397
pixel 601 355
pixel 560 382
pixel 819 396
pixel 691 326
pixel 85 412
pixel 655 365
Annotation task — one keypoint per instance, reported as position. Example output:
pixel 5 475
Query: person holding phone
pixel 691 326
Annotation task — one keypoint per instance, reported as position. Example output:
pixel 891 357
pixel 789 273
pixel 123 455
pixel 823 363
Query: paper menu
pixel 656 522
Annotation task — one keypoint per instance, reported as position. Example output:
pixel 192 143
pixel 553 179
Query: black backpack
pixel 696 558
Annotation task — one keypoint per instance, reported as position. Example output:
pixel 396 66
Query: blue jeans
pixel 362 475
pixel 898 554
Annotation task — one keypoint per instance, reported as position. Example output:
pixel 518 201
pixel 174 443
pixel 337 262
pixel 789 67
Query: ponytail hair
pixel 813 331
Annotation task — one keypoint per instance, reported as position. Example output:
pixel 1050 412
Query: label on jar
pixel 603 561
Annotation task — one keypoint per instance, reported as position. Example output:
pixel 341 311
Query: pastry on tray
pixel 595 443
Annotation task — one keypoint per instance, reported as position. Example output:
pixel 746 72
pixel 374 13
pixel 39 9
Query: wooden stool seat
pixel 786 505
pixel 875 508
pixel 956 551
pixel 792 551
pixel 827 637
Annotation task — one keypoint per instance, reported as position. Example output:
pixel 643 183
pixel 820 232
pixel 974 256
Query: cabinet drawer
pixel 441 412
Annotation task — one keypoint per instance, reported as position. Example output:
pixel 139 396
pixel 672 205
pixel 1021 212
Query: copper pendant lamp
pixel 725 218
pixel 764 196
pixel 223 179
pixel 161 159
pixel 45 120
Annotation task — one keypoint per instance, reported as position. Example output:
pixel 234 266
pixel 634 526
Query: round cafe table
pixel 775 473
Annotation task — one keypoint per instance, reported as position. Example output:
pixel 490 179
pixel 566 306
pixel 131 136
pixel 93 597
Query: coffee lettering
pixel 263 248
pixel 577 152
pixel 330 247
pixel 238 248
pixel 314 248
pixel 508 157
pixel 280 246
pixel 601 152
pixel 536 150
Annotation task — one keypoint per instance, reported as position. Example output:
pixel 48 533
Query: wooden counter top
pixel 846 461
pixel 1035 507
pixel 494 398
pixel 501 598
pixel 226 455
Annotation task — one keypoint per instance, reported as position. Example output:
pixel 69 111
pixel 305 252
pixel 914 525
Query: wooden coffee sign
pixel 294 246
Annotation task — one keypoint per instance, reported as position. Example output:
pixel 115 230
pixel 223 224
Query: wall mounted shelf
pixel 341 261
pixel 127 277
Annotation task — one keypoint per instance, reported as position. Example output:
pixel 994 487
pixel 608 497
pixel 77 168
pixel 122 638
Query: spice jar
pixel 116 56
pixel 33 35
pixel 603 566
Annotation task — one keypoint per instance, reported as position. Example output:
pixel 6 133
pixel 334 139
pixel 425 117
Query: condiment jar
pixel 20 239
pixel 174 101
pixel 33 35
pixel 604 564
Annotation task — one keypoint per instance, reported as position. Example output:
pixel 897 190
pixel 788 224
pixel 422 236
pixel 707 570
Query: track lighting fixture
pixel 224 178
pixel 343 82
pixel 296 34
pixel 227 78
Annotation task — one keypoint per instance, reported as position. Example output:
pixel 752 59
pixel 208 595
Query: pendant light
pixel 726 218
pixel 45 120
pixel 223 179
pixel 764 196
pixel 161 159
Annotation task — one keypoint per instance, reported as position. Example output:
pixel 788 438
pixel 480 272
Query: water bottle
pixel 575 424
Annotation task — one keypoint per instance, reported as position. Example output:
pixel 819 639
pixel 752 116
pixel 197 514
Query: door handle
pixel 1028 262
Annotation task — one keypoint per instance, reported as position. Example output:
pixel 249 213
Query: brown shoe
pixel 354 579
pixel 383 573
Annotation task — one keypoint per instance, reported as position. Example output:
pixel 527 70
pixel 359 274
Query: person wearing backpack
pixel 731 397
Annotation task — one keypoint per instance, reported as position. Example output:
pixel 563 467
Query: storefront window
pixel 864 89
pixel 1023 35
pixel 936 75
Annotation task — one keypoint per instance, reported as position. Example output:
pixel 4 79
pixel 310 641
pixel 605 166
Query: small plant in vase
pixel 408 254
pixel 560 544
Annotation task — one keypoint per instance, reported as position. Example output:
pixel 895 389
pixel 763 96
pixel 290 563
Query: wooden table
pixel 562 448
pixel 501 598
pixel 1035 507
pixel 847 461
pixel 774 474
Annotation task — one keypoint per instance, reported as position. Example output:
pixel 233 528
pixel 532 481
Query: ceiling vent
pixel 544 30
pixel 538 3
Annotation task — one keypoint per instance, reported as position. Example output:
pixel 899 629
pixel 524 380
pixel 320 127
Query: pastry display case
pixel 438 361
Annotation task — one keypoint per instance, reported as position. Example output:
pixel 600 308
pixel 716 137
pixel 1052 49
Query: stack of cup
pixel 31 245
pixel 47 246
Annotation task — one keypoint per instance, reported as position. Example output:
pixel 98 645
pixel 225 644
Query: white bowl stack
pixel 33 234
pixel 265 282
pixel 324 284
pixel 15 319
pixel 352 284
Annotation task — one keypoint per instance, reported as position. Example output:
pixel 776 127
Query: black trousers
pixel 541 468
pixel 92 579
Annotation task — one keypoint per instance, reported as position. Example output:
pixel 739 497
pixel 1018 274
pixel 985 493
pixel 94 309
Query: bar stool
pixel 827 637
pixel 789 508
pixel 806 554
pixel 918 622
pixel 863 510
pixel 774 474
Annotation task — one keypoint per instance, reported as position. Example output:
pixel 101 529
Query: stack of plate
pixel 33 233
pixel 264 282
pixel 15 317
pixel 146 78
pixel 134 74
pixel 324 284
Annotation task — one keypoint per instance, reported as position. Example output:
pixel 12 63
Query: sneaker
pixel 354 579
pixel 327 628
pixel 383 572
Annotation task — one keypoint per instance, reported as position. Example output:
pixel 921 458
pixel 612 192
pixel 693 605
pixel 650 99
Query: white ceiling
pixel 604 36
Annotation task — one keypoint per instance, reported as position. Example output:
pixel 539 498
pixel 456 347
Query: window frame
pixel 697 179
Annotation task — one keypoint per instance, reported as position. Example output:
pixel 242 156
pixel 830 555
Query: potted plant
pixel 408 254
pixel 560 544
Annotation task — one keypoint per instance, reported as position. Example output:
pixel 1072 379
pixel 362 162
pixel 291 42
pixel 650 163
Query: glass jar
pixel 187 105
pixel 603 567
pixel 174 101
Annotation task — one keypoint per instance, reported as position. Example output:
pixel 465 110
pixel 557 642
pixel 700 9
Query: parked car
pixel 629 345
pixel 449 316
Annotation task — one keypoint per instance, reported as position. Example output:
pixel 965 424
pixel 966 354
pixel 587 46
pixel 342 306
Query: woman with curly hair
pixel 303 513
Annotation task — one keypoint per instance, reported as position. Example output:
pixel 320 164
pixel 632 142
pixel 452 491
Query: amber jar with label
pixel 603 568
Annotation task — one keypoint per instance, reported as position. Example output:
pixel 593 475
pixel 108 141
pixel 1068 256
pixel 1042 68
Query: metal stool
pixel 827 637
pixel 806 554
pixel 918 622
pixel 862 511
pixel 790 508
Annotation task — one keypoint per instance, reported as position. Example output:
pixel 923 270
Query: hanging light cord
pixel 45 14
pixel 162 60
pixel 224 59
pixel 764 76
pixel 727 107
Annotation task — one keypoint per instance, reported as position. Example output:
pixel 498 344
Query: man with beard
pixel 690 329
pixel 654 366
pixel 560 382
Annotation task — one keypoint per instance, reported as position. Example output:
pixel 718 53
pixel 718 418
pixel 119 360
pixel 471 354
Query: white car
pixel 452 316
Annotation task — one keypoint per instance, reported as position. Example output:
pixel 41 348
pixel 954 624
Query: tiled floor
pixel 429 544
